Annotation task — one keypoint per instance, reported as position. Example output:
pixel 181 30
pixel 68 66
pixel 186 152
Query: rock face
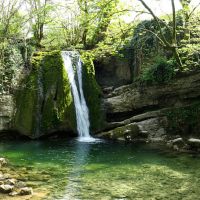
pixel 134 100
pixel 113 71
pixel 6 111
pixel 152 107
pixel 43 103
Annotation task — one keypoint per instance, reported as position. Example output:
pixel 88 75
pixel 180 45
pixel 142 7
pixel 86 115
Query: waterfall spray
pixel 81 109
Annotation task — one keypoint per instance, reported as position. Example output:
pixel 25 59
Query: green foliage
pixel 162 71
pixel 184 120
pixel 190 43
pixel 11 64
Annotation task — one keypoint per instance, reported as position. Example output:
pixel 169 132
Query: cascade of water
pixel 81 109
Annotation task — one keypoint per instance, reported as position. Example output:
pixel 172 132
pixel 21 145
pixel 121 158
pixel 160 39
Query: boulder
pixel 6 188
pixel 3 162
pixel 20 184
pixel 194 143
pixel 129 132
pixel 177 144
pixel 26 191
pixel 154 128
pixel 11 181
pixel 14 193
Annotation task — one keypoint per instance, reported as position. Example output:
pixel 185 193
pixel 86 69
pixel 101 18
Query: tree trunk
pixel 177 57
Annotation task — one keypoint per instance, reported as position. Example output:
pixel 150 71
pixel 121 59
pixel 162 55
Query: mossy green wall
pixel 39 114
pixel 26 98
pixel 56 104
pixel 92 93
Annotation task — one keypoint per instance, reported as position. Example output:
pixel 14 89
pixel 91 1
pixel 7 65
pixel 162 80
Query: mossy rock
pixel 45 103
pixel 92 93
pixel 127 132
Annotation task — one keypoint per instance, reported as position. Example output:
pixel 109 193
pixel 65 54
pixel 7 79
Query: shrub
pixel 159 73
pixel 184 120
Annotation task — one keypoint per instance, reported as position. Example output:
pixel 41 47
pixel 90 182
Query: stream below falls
pixel 64 169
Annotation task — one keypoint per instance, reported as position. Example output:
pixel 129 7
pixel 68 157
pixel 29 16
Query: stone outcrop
pixel 42 102
pixel 136 99
pixel 148 108
pixel 6 111
pixel 113 71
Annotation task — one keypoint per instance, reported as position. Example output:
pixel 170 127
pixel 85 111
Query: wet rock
pixel 26 191
pixel 131 132
pixel 6 188
pixel 154 129
pixel 3 162
pixel 108 90
pixel 11 181
pixel 194 143
pixel 127 132
pixel 12 194
pixel 175 147
pixel 3 177
pixel 178 142
pixel 20 184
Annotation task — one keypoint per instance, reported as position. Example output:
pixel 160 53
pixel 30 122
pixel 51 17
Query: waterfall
pixel 81 109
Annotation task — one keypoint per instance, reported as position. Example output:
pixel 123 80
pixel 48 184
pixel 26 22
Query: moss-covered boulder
pixel 45 103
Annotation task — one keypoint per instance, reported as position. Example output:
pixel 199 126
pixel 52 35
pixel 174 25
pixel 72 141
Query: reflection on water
pixel 73 170
pixel 81 153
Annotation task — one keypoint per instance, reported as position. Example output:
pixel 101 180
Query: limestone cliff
pixel 157 110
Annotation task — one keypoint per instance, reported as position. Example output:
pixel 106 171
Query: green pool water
pixel 71 170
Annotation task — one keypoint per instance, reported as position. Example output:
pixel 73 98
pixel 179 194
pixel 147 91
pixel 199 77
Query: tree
pixel 171 42
pixel 10 19
pixel 187 14
pixel 95 17
pixel 39 17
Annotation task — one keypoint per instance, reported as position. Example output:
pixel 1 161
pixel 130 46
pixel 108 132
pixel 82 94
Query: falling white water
pixel 82 113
